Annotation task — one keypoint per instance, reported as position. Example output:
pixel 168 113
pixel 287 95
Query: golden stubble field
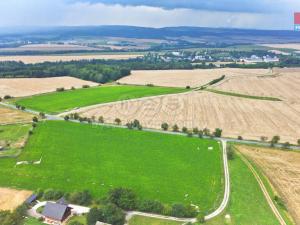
pixel 283 170
pixel 9 116
pixel 236 116
pixel 295 46
pixel 11 198
pixel 183 78
pixel 56 58
pixel 19 87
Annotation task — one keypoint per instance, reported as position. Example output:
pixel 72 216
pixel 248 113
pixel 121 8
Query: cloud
pixel 207 13
pixel 252 6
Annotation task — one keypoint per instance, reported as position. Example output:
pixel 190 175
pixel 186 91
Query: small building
pixel 100 223
pixel 32 198
pixel 55 213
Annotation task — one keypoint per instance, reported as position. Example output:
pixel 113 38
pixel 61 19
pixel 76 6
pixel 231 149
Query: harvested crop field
pixel 283 84
pixel 9 116
pixel 11 198
pixel 183 78
pixel 295 46
pixel 48 48
pixel 19 87
pixel 55 58
pixel 236 116
pixel 283 170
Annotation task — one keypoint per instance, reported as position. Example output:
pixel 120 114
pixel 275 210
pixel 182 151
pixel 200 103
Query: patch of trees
pixel 94 70
pixel 13 218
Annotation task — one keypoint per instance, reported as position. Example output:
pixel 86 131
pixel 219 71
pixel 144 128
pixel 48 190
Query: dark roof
pixel 31 199
pixel 55 211
pixel 62 201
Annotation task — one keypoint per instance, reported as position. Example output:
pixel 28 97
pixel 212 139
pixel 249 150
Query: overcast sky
pixel 259 14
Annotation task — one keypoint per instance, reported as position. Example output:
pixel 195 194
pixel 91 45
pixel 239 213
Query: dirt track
pixel 283 170
pixel 236 116
pixel 11 198
pixel 19 87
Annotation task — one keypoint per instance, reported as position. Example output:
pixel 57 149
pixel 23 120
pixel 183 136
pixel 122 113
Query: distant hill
pixel 218 35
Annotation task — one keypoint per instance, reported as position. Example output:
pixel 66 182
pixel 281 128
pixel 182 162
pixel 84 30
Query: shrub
pixel 175 128
pixel 275 140
pixel 123 198
pixel 298 141
pixel 201 218
pixel 39 193
pixel 93 216
pixel 150 85
pixel 179 210
pixel 195 130
pixel 200 134
pixel 80 198
pixel 240 138
pixel 109 213
pixel 67 118
pixel 7 97
pixel 35 119
pixel 151 206
pixel 189 134
pixel 218 132
pixel 60 89
pixel 73 88
pixel 85 86
pixel 230 152
pixel 117 121
pixel 184 130
pixel 42 115
pixel 51 194
pixel 101 119
pixel 188 87
pixel 206 132
pixel 75 223
pixel 129 125
pixel 165 126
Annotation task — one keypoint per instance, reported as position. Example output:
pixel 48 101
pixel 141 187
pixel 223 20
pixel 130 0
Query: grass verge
pixel 243 95
pixel 142 220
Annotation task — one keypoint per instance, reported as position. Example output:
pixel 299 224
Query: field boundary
pixel 234 94
pixel 263 189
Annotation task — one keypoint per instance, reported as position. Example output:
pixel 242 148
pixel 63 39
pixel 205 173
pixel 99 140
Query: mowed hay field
pixel 283 170
pixel 295 46
pixel 236 116
pixel 9 116
pixel 183 78
pixel 11 198
pixel 284 84
pixel 19 87
pixel 168 168
pixel 68 100
pixel 31 59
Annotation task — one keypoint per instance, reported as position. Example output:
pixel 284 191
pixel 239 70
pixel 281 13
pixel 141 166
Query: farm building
pixel 32 198
pixel 100 223
pixel 55 213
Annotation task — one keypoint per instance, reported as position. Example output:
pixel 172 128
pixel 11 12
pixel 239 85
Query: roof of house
pixel 31 199
pixel 100 223
pixel 54 211
pixel 62 201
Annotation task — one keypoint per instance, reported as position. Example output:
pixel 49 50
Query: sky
pixel 257 14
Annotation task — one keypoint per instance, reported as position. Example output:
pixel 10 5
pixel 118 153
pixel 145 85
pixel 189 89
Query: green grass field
pixel 63 101
pixel 32 221
pixel 164 167
pixel 141 220
pixel 11 137
pixel 247 204
pixel 243 95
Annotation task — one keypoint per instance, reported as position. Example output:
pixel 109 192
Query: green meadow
pixel 164 167
pixel 56 102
